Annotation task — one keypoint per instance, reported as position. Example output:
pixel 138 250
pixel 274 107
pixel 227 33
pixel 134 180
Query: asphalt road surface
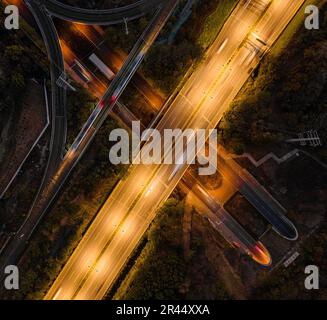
pixel 101 17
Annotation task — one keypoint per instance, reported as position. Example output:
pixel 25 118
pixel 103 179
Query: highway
pixel 106 104
pixel 121 223
pixel 102 17
pixel 97 88
pixel 270 209
pixel 113 58
pixel 219 217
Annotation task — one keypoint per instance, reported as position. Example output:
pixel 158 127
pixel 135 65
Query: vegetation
pixel 117 37
pixel 287 94
pixel 20 61
pixel 99 4
pixel 218 11
pixel 79 107
pixel 167 64
pixel 16 66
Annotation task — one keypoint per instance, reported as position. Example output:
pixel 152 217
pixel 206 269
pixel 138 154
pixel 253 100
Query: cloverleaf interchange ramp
pixel 102 17
pixel 16 245
pixel 59 127
pixel 121 223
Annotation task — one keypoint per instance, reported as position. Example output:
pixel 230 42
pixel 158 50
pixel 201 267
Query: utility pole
pixel 126 26
pixel 310 137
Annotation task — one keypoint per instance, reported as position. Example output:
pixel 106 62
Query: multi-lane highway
pixel 103 17
pixel 120 224
pixel 220 219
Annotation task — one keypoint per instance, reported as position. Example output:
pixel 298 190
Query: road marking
pixel 187 99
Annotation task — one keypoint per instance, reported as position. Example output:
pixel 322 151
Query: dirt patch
pixel 20 135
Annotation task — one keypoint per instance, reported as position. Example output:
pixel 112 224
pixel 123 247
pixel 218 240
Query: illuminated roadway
pixel 220 219
pixel 121 223
pixel 113 58
pixel 102 17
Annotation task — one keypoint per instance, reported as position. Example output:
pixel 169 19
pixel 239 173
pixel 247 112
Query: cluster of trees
pixel 17 64
pixel 287 94
pixel 13 74
pixel 167 64
pixel 80 105
pixel 117 38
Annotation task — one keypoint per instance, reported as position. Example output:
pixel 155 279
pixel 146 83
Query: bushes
pixel 160 270
pixel 167 64
pixel 287 94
